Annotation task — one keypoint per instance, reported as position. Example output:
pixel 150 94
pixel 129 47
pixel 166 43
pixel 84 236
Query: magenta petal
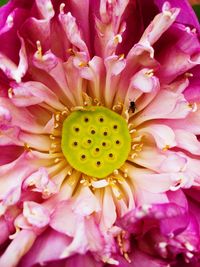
pixel 171 218
pixel 187 15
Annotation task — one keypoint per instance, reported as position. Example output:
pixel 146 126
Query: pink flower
pixel 99 120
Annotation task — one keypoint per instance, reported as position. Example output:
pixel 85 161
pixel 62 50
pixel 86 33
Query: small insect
pixel 132 107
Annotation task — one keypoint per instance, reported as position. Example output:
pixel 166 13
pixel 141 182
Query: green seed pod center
pixel 95 141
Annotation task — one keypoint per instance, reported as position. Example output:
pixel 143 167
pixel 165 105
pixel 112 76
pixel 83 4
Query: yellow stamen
pixel 39 49
pixel 10 92
pixel 149 73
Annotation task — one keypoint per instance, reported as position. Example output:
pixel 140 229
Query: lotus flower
pixel 99 118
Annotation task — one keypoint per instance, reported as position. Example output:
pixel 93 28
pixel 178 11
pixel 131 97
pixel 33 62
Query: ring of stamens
pixel 95 141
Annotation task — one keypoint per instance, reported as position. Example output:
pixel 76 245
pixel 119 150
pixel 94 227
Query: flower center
pixel 95 141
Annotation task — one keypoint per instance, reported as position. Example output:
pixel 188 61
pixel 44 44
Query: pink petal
pixel 45 8
pixel 162 134
pixel 187 141
pixel 174 106
pixel 41 251
pixel 17 248
pixel 36 214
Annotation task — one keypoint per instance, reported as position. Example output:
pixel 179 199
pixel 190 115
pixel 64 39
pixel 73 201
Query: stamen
pixel 121 243
pixel 120 57
pixel 71 52
pixel 52 137
pixel 10 92
pixel 57 160
pixel 167 13
pixel 118 107
pixel 134 155
pixel 188 75
pixel 126 173
pixel 165 148
pixel 56 125
pixel 62 6
pixel 149 73
pixel 83 64
pixel 65 112
pixel 27 147
pixel 126 115
pixel 13 236
pixel 97 102
pixel 57 117
pixel 118 39
pixel 193 107
pixel 39 49
pixel 87 99
pixel 116 172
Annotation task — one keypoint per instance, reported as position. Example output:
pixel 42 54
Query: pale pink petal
pixel 175 106
pixel 162 134
pixel 36 214
pixel 69 25
pixel 187 141
pixel 22 117
pixel 10 68
pixel 41 251
pixel 144 82
pixel 108 215
pixel 160 161
pixel 154 31
pixel 17 248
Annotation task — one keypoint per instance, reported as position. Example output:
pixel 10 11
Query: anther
pixel 193 107
pixel 53 145
pixel 26 147
pixel 167 13
pixel 56 125
pixel 65 112
pixel 87 99
pixel 57 160
pixel 62 6
pixel 13 236
pixel 52 137
pixel 188 75
pixel 120 57
pixel 132 131
pixel 118 107
pixel 117 38
pixel 10 92
pixel 125 173
pixel 165 148
pixel 57 117
pixel 115 172
pixel 39 49
pixel 133 155
pixel 83 64
pixel 71 52
pixel 149 73
pixel 97 102
pixel 126 113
